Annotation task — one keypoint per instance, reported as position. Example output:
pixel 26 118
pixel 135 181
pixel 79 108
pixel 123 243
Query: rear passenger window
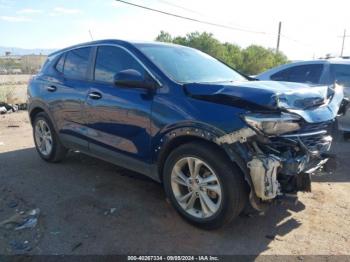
pixel 60 64
pixel 300 74
pixel 111 60
pixel 76 63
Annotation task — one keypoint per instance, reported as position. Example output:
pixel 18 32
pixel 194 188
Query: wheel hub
pixel 194 185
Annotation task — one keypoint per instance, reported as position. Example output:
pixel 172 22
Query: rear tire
pixel 46 140
pixel 192 195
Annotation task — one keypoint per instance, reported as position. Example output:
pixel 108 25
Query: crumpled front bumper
pixel 286 162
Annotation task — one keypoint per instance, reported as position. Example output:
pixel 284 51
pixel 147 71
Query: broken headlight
pixel 275 124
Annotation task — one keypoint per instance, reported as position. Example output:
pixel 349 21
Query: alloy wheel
pixel 196 187
pixel 43 137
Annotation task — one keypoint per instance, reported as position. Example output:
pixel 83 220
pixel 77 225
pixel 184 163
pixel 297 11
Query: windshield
pixel 188 65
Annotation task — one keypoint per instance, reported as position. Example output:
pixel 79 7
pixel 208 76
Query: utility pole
pixel 278 37
pixel 342 46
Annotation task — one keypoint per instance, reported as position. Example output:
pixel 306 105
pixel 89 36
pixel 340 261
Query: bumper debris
pixel 263 171
pixel 240 135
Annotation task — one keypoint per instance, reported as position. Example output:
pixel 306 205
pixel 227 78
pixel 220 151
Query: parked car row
pixel 316 72
pixel 217 141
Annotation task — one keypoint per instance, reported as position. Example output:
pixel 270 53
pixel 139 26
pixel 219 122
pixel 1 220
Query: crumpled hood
pixel 268 94
pixel 271 95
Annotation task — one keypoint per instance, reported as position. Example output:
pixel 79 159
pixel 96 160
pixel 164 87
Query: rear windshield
pixel 188 65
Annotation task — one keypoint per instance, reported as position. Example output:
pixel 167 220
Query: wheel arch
pixel 34 112
pixel 181 136
pixel 37 107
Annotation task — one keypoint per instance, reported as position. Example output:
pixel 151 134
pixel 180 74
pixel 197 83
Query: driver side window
pixel 111 60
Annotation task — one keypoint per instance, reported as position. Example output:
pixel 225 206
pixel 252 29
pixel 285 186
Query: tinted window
pixel 60 64
pixel 300 74
pixel 111 60
pixel 188 65
pixel 76 63
pixel 341 74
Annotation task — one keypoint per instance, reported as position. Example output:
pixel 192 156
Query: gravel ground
pixel 88 206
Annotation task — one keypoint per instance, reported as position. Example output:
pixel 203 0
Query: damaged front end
pixel 280 150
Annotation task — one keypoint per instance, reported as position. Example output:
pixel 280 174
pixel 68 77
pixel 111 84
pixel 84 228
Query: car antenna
pixel 91 35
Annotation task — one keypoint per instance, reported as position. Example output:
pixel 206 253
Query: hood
pixel 268 94
pixel 271 96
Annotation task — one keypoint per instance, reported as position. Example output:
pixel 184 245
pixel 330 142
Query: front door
pixel 118 117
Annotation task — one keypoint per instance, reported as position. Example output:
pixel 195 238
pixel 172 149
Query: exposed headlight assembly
pixel 275 124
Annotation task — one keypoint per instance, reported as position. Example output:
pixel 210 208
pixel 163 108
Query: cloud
pixel 64 11
pixel 15 19
pixel 5 3
pixel 29 11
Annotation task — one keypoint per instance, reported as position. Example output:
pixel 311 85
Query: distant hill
pixel 23 51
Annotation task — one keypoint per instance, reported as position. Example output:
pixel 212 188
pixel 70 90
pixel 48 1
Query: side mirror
pixel 132 78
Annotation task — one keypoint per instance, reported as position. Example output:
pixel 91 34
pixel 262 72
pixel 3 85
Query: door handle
pixel 51 88
pixel 95 95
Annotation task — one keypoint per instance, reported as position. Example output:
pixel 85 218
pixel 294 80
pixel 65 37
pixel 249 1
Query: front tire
pixel 47 142
pixel 203 185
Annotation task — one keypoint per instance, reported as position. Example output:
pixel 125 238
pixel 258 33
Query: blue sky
pixel 310 28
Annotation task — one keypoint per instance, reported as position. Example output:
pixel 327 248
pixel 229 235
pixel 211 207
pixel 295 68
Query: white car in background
pixel 319 72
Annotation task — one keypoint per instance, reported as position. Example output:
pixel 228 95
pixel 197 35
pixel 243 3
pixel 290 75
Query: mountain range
pixel 24 51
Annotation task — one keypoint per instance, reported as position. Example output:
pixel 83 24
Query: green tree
pixel 164 37
pixel 251 60
pixel 233 56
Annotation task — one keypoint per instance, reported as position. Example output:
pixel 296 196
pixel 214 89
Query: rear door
pixel 70 93
pixel 118 117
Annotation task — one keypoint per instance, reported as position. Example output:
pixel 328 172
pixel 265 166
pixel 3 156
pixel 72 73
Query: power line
pixel 267 33
pixel 182 7
pixel 193 19
pixel 206 15
pixel 297 41
pixel 207 22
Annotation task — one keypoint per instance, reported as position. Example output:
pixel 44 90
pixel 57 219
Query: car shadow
pixel 341 151
pixel 110 210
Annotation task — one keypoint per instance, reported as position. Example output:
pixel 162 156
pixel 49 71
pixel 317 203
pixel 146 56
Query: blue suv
pixel 217 141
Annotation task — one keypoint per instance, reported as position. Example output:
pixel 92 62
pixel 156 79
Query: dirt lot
pixel 88 206
pixel 13 88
